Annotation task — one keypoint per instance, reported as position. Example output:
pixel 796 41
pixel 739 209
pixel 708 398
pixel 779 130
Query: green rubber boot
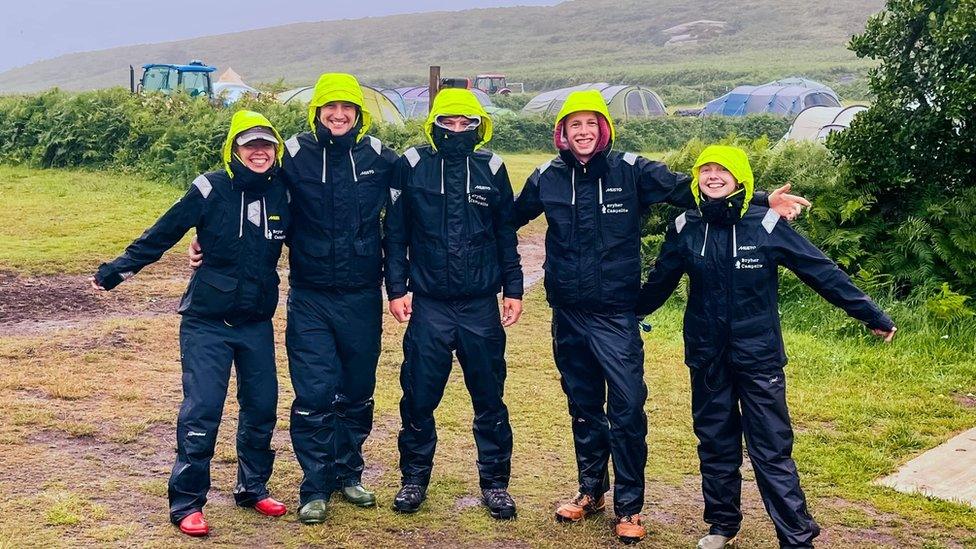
pixel 359 496
pixel 312 512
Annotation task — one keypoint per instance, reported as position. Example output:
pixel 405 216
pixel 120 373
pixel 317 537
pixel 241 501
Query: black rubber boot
pixel 409 498
pixel 499 503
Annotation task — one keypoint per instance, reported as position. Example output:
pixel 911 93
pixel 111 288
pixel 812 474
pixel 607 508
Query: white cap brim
pixel 256 134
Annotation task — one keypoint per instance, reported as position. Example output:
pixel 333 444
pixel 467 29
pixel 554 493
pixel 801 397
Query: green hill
pixel 575 41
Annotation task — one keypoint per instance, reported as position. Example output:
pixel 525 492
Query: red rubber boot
pixel 270 507
pixel 195 525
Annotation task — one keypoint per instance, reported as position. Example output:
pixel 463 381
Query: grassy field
pixel 90 395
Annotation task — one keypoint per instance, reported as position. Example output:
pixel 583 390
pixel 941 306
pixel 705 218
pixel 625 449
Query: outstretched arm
pixel 149 247
pixel 827 279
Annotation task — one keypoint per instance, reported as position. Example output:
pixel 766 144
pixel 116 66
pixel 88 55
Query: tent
pixel 625 102
pixel 816 123
pixel 379 105
pixel 413 101
pixel 784 97
pixel 231 87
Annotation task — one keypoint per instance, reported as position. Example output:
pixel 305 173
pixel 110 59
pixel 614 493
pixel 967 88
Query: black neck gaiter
pixel 245 179
pixel 455 144
pixel 723 211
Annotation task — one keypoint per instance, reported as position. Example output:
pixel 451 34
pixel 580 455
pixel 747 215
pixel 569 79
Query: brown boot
pixel 579 508
pixel 629 529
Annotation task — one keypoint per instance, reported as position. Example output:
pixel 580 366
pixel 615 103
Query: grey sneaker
pixel 716 541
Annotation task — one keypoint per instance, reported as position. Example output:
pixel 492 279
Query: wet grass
pixel 91 408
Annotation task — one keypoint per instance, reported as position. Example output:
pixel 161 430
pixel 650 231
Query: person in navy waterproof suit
pixel 593 199
pixel 241 216
pixel 731 252
pixel 338 177
pixel 450 242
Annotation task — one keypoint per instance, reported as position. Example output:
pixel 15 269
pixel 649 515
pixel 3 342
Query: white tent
pixel 231 87
pixel 816 123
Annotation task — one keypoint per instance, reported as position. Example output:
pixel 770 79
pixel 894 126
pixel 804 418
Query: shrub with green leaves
pixel 911 197
pixel 174 138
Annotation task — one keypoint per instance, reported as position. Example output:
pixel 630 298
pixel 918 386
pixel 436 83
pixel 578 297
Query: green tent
pixel 625 102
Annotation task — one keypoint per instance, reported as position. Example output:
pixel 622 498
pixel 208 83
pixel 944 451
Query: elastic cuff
pixel 346 483
pixel 512 295
pixel 108 281
pixel 302 501
pixel 395 294
pixel 175 519
pixel 249 499
pixel 727 531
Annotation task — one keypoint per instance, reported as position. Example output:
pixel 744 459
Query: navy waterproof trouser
pixel 601 360
pixel 208 348
pixel 333 342
pixel 472 327
pixel 726 404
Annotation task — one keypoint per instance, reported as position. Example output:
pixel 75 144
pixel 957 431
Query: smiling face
pixel 715 181
pixel 257 155
pixel 338 116
pixel 583 133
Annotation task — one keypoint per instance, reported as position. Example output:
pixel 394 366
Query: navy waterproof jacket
pixel 734 278
pixel 242 231
pixel 594 214
pixel 448 230
pixel 338 192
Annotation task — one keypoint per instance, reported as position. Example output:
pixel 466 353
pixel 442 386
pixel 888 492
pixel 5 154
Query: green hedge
pixel 173 138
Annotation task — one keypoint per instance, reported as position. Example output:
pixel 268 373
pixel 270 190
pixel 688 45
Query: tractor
pixel 194 78
pixel 491 84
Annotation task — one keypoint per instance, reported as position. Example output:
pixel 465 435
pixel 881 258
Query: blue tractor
pixel 194 78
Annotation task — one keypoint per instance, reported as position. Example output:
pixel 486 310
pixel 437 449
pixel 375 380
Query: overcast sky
pixel 40 29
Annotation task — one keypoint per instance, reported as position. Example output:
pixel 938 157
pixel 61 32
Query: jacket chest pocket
pixel 309 197
pixel 559 207
pixel 218 235
pixel 371 194
pixel 619 214
pixel 482 201
pixel 428 209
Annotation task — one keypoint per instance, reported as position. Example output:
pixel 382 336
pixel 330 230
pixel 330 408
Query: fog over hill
pixel 658 42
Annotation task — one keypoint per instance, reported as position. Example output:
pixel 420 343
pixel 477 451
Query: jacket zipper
pixel 355 178
pixel 705 241
pixel 240 228
pixel 729 293
pixel 447 241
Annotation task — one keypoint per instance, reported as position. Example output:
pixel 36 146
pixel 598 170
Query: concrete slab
pixel 946 472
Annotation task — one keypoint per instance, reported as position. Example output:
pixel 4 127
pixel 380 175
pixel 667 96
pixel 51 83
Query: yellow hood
pixel 733 159
pixel 241 122
pixel 588 100
pixel 458 102
pixel 338 86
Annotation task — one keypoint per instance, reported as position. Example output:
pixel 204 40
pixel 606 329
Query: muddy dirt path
pixel 32 305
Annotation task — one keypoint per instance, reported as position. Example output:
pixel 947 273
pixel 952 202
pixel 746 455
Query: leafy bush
pixel 910 199
pixel 173 138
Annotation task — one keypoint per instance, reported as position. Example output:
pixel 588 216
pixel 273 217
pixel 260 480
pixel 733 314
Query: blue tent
pixel 783 97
